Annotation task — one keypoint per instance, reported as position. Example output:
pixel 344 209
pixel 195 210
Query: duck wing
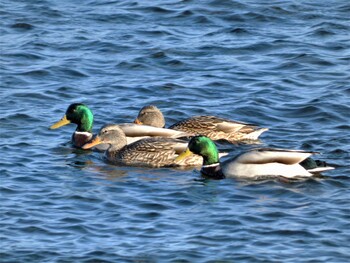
pixel 135 130
pixel 151 152
pixel 157 152
pixel 270 155
pixel 203 124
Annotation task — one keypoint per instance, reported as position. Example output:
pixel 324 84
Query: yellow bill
pixel 183 155
pixel 94 142
pixel 137 121
pixel 60 123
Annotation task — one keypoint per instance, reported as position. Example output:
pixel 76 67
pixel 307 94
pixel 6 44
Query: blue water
pixel 284 65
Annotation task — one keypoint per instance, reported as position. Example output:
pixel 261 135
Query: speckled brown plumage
pixel 149 152
pixel 153 152
pixel 219 128
pixel 215 128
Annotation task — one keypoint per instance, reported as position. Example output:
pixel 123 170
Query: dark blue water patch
pixel 320 32
pixel 63 93
pixel 222 5
pixel 39 73
pixel 343 127
pixel 24 56
pixel 202 19
pixel 312 59
pixel 186 13
pixel 259 17
pixel 27 255
pixel 332 26
pixel 283 11
pixel 343 8
pixel 114 18
pixel 154 206
pixel 33 97
pixel 156 9
pixel 14 117
pixel 163 59
pixel 22 26
pixel 238 31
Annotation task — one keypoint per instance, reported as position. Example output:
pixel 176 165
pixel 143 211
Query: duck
pixel 150 115
pixel 256 163
pixel 215 128
pixel 147 152
pixel 81 115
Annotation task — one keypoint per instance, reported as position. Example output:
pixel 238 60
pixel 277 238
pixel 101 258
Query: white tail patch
pixel 320 169
pixel 255 134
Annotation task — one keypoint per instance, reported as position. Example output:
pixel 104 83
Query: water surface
pixel 280 64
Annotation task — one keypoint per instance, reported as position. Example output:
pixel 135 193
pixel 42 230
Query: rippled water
pixel 280 64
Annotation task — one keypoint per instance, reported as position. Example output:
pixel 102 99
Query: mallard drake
pixel 213 127
pixel 81 115
pixel 256 163
pixel 148 152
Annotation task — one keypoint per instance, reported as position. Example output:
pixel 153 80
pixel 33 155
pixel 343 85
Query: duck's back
pixel 218 128
pixel 267 162
pixel 153 152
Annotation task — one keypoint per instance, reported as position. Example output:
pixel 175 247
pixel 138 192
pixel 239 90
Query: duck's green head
pixel 204 147
pixel 79 114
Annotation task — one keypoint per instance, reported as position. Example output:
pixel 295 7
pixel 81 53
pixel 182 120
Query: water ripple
pixel 281 65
